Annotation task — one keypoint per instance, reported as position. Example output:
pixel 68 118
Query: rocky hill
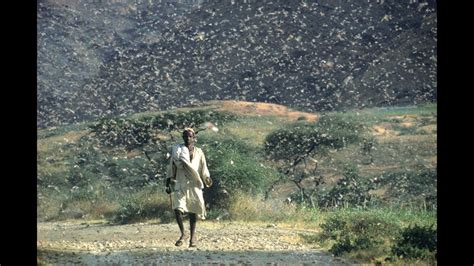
pixel 99 58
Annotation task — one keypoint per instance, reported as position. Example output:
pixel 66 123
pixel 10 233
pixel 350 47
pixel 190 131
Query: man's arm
pixel 205 175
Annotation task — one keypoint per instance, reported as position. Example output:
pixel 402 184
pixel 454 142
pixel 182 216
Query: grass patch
pixel 376 115
pixel 253 129
pixel 367 235
pixel 251 208
pixel 62 130
pixel 145 204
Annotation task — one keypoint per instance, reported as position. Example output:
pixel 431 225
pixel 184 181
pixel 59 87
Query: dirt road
pixel 219 243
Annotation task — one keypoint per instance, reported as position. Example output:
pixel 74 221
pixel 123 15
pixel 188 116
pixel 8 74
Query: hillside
pixel 101 58
pixel 75 159
pixel 100 186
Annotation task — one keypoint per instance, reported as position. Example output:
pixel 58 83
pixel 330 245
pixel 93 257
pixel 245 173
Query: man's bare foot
pixel 192 242
pixel 180 241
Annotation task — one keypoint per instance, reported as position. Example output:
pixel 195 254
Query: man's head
pixel 188 136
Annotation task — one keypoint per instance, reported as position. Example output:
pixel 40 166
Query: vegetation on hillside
pixel 366 183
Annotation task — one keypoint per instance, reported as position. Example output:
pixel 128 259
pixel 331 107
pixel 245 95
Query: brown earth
pixel 223 242
pixel 263 109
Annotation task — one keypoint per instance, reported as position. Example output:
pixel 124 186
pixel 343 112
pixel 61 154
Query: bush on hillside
pixel 350 190
pixel 416 242
pixel 235 166
pixel 127 133
pixel 329 132
pixel 416 187
pixel 134 133
pixel 367 146
pixel 340 130
pixel 359 231
pixel 134 172
pixel 89 163
pixel 290 141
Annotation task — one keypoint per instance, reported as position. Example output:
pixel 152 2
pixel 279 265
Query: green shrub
pixel 340 130
pixel 235 166
pixel 416 187
pixel 128 172
pixel 350 190
pixel 329 132
pixel 367 145
pixel 293 140
pixel 128 133
pixel 416 242
pixel 357 231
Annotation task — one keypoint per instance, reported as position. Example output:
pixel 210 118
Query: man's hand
pixel 169 182
pixel 208 182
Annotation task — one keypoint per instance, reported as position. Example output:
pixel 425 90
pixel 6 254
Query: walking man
pixel 186 177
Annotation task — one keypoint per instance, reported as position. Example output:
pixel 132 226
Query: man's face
pixel 188 138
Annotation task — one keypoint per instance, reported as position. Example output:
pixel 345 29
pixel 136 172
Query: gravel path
pixel 219 243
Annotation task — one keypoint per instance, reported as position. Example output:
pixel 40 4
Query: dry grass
pixel 47 144
pixel 133 153
pixel 47 169
pixel 250 208
pixel 102 209
pixel 384 129
pixel 87 209
pixel 253 208
pixel 48 209
pixel 407 139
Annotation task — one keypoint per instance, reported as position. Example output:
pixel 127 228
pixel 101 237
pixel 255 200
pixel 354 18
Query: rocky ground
pixel 219 243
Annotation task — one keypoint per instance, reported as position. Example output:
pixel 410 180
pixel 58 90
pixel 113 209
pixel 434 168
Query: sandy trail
pixel 219 243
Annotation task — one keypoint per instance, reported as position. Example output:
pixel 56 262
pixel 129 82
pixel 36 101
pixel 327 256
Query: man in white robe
pixel 187 176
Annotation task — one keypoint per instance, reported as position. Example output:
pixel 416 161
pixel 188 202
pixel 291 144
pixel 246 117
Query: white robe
pixel 189 174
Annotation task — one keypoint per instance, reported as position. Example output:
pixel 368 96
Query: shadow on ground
pixel 188 257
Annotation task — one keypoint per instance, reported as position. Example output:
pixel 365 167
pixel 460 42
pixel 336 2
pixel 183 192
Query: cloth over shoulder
pixel 181 157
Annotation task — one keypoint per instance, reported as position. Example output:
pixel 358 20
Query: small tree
pixel 297 144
